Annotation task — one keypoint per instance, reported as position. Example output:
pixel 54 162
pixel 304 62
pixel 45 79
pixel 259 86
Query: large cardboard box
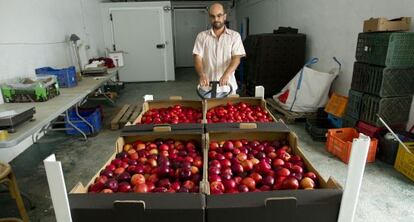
pixel 383 24
pixel 211 103
pixel 139 206
pixel 320 205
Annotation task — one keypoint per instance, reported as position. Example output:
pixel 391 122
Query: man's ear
pixel 225 17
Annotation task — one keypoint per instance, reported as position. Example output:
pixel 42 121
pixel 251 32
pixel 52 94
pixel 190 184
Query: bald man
pixel 217 51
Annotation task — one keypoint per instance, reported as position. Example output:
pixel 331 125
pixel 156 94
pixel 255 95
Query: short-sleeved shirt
pixel 216 53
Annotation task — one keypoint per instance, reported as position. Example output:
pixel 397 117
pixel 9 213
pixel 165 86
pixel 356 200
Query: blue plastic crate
pixel 93 117
pixel 337 122
pixel 66 77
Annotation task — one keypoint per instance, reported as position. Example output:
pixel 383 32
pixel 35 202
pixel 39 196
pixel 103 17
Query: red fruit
pixel 96 187
pixel 214 171
pixel 237 144
pixel 249 182
pixel 214 145
pixel 278 163
pixel 311 175
pixel 137 179
pixel 268 180
pixel 124 187
pixel 198 162
pixel 265 188
pixel 119 170
pixel 237 168
pixel 176 186
pixel 297 169
pixel 225 163
pixel 164 183
pixel 150 186
pixel 307 183
pixel 188 184
pixel 101 179
pixel 290 183
pixel 112 184
pixel 288 165
pixel 125 176
pixel 237 180
pixel 106 191
pixel 213 178
pixel 243 188
pixel 215 163
pixel 283 172
pixel 160 190
pixel 220 156
pixel 226 175
pixel 152 162
pixel 256 177
pixel 264 166
pixel 247 165
pixel 228 146
pixel 236 151
pixel 153 178
pixel 241 157
pixel 229 185
pixel 228 155
pixel 110 167
pixel 285 157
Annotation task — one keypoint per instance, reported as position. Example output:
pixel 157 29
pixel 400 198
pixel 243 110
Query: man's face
pixel 217 16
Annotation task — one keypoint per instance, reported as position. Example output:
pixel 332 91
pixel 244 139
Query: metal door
pixel 140 33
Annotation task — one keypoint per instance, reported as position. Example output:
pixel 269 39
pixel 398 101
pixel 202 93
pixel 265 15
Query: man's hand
pixel 224 80
pixel 203 80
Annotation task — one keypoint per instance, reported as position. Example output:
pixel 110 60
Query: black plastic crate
pixel 383 81
pixel 353 108
pixel 273 60
pixel 317 128
pixel 388 147
pixel 391 49
pixel 394 111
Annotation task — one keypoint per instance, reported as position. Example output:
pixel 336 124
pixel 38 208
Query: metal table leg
pixel 75 127
pixel 84 120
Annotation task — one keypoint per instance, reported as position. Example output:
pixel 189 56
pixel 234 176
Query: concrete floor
pixel 386 195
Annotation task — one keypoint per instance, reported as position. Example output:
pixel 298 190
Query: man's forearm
pixel 198 64
pixel 235 61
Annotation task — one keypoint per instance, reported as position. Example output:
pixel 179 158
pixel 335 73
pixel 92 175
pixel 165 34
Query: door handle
pixel 161 46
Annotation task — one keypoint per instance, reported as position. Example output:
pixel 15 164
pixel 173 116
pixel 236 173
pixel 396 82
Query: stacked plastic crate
pixel 383 80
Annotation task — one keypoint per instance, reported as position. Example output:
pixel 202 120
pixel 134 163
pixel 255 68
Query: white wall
pixel 331 27
pixel 35 33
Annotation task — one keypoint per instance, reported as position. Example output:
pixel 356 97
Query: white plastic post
pixel 259 91
pixel 356 167
pixel 148 98
pixel 57 189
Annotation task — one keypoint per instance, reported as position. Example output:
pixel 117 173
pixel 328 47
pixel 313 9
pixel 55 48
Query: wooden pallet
pixel 288 116
pixel 128 113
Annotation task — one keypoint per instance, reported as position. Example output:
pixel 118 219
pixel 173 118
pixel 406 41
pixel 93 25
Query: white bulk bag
pixel 308 90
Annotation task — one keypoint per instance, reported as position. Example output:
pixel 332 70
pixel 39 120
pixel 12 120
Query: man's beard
pixel 218 25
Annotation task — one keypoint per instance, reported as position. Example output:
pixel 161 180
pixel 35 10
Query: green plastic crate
pixel 394 110
pixel 353 108
pixel 386 49
pixel 383 81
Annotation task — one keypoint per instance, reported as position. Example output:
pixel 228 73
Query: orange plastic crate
pixel 339 143
pixel 337 105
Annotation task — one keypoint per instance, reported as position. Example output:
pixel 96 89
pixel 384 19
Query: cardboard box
pixel 174 100
pixel 139 206
pixel 211 103
pixel 320 205
pixel 383 24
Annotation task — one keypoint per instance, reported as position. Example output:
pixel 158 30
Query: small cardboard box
pixel 139 206
pixel 383 24
pixel 211 103
pixel 320 205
